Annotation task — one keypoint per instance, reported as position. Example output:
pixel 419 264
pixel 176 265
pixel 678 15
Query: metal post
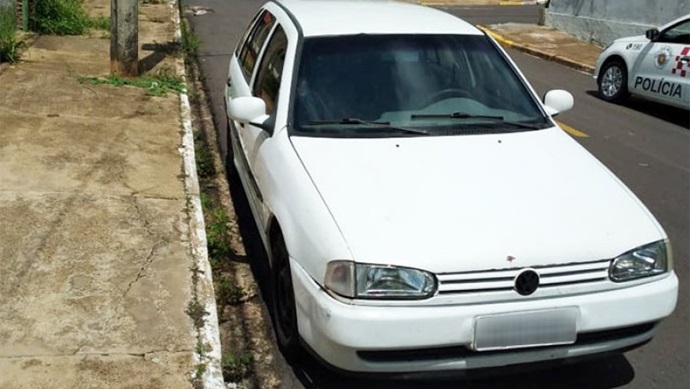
pixel 124 37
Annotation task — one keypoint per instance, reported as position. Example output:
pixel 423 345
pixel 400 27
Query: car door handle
pixel 685 59
pixel 229 82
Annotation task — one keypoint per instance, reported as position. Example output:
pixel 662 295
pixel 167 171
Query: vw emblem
pixel 527 282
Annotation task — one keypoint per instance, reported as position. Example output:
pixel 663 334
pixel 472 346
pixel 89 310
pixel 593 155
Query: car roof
pixel 349 17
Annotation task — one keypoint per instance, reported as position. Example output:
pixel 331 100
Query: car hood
pixel 471 202
pixel 631 39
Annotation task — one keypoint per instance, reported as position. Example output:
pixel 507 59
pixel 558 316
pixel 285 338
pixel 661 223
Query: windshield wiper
pixel 464 115
pixel 377 124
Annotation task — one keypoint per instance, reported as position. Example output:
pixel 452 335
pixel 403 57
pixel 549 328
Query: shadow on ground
pixel 677 116
pixel 602 373
pixel 158 52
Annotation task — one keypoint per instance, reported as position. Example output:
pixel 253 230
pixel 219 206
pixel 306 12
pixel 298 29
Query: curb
pixel 209 335
pixel 572 63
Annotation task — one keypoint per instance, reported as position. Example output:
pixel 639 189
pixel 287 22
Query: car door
pixel 241 74
pixel 265 85
pixel 662 72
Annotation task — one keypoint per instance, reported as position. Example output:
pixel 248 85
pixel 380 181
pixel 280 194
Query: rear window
pixel 252 46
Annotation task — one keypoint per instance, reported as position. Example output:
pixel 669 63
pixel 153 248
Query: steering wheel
pixel 445 94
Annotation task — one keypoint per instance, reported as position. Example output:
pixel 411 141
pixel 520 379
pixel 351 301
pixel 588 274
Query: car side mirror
pixel 251 110
pixel 558 101
pixel 652 34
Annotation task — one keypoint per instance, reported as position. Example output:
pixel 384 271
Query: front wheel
pixel 613 81
pixel 283 301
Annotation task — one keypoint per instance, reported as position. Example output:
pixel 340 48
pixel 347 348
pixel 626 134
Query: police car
pixel 655 66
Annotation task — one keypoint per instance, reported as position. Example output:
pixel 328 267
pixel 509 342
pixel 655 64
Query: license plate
pixel 525 329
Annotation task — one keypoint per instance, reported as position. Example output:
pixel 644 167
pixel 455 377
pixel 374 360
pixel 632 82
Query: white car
pixel 421 209
pixel 655 66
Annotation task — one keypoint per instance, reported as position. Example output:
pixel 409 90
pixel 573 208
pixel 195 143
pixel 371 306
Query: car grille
pixel 502 280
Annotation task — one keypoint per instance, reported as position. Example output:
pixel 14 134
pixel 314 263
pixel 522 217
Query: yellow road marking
pixel 500 39
pixel 572 131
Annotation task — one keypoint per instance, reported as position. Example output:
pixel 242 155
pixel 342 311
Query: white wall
pixel 602 21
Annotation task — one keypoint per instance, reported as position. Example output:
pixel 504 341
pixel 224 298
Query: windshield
pixel 389 85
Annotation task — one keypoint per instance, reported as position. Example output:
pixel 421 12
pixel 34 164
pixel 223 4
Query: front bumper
pixel 362 338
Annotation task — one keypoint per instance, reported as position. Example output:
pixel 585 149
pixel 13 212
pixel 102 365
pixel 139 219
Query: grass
pixel 227 293
pixel 190 41
pixel 66 17
pixel 236 367
pixel 217 231
pixel 204 162
pixel 160 84
pixel 100 23
pixel 9 44
pixel 61 17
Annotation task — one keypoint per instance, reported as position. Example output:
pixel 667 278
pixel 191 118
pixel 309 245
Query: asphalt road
pixel 646 145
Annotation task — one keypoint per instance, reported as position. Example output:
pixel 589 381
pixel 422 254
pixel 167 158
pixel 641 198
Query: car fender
pixel 311 235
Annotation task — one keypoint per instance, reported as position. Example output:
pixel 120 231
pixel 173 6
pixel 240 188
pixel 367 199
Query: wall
pixel 602 21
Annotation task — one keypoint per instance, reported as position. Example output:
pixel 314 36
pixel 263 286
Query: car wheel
pixel 613 81
pixel 283 300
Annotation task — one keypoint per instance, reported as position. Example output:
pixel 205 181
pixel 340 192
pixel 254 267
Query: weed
pixel 236 367
pixel 159 84
pixel 197 312
pixel 206 201
pixel 200 369
pixel 204 163
pixel 66 17
pixel 217 231
pixel 202 348
pixel 9 44
pixel 227 293
pixel 61 17
pixel 100 23
pixel 190 41
pixel 193 97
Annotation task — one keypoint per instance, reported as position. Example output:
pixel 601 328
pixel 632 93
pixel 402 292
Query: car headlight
pixel 649 260
pixel 369 281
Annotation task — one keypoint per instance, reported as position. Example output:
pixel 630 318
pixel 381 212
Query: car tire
pixel 283 300
pixel 613 81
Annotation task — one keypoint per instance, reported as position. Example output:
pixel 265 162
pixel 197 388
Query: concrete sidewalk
pixel 547 43
pixel 96 231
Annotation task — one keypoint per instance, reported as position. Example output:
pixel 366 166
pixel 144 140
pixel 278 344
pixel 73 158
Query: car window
pixel 267 84
pixel 245 35
pixel 252 47
pixel 679 33
pixel 438 82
